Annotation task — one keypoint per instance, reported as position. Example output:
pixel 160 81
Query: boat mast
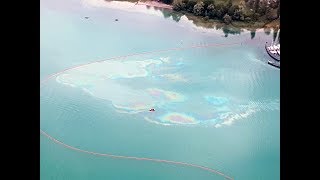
pixel 277 38
pixel 272 39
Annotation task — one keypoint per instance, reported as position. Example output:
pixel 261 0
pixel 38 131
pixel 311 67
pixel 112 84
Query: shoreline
pixel 212 23
pixel 154 4
pixel 200 21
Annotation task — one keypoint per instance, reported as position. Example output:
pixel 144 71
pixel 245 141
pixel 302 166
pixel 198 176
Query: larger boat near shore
pixel 273 51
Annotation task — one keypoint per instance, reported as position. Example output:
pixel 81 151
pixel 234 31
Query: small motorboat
pixel 86 17
pixel 116 20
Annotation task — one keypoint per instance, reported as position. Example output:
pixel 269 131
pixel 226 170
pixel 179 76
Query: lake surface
pixel 216 100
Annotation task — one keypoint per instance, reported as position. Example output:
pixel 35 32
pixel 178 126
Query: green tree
pixel 262 7
pixel 271 14
pixel 229 4
pixel 180 5
pixel 207 3
pixel 190 4
pixel 211 11
pixel 256 5
pixel 242 18
pixel 256 16
pixel 233 9
pixel 227 19
pixel 221 10
pixel 251 3
pixel 236 15
pixel 198 9
pixel 241 14
pixel 176 7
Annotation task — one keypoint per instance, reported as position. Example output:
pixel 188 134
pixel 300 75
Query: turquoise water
pixel 215 106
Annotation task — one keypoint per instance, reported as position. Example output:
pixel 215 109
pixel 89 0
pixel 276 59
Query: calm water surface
pixel 217 106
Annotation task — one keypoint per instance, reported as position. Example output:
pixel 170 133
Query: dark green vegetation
pixel 216 14
pixel 229 11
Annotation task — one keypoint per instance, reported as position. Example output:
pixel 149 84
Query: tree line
pixel 247 10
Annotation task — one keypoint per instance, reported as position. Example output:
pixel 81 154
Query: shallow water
pixel 216 106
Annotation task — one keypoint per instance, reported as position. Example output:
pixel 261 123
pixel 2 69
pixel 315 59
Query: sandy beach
pixel 154 4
